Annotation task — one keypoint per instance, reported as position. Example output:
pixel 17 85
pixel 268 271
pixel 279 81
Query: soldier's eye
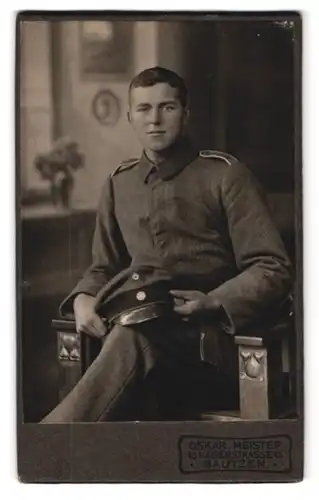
pixel 144 108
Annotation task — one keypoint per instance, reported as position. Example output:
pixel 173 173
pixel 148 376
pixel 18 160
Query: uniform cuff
pixel 226 322
pixel 223 316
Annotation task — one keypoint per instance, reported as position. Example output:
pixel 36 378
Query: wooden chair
pixel 266 376
pixel 265 364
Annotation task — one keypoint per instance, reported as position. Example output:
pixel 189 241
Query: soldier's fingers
pixel 184 294
pixel 83 329
pixel 178 302
pixel 93 329
pixel 88 329
pixel 180 294
pixel 97 333
pixel 99 325
pixel 184 310
pixel 189 308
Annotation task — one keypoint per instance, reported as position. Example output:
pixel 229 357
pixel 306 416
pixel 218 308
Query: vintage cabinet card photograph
pixel 159 236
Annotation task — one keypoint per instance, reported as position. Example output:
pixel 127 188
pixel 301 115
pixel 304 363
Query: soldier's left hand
pixel 192 302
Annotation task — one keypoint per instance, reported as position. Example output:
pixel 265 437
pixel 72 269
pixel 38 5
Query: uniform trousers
pixel 154 361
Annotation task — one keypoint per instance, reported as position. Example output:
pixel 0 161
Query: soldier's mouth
pixel 156 133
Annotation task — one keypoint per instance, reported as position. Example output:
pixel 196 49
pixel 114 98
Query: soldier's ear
pixel 186 115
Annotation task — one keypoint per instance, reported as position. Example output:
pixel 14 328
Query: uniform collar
pixel 181 155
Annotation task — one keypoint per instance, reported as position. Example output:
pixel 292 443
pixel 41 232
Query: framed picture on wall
pixel 106 49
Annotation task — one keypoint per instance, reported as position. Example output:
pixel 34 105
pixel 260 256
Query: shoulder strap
pixel 125 165
pixel 218 155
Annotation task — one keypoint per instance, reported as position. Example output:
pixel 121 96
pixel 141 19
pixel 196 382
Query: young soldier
pixel 195 219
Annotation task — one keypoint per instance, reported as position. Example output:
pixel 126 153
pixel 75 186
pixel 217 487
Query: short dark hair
pixel 152 76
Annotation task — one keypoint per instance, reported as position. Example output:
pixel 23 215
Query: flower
pixel 63 158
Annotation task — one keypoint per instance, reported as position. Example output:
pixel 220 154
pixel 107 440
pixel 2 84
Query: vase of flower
pixel 58 167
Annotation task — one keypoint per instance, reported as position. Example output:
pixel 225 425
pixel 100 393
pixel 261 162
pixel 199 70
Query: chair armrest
pixel 70 355
pixel 64 324
pixel 261 372
pixel 75 352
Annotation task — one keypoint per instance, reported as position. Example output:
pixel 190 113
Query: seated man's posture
pixel 185 255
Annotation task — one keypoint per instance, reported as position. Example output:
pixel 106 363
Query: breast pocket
pixel 179 215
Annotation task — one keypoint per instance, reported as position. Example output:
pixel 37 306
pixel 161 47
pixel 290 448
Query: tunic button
pixel 141 296
pixel 135 276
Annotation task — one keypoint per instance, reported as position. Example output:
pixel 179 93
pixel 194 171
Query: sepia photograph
pixel 159 245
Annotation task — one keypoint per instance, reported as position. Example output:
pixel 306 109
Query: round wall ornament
pixel 106 107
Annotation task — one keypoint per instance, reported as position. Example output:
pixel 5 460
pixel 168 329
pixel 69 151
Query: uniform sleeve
pixel 109 254
pixel 265 273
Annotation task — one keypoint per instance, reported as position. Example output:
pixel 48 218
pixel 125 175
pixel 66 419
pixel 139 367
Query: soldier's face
pixel 157 116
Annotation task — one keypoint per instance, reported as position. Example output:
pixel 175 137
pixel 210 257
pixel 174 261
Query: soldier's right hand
pixel 86 319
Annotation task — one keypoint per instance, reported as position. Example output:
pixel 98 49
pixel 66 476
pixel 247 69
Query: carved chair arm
pixel 75 352
pixel 261 375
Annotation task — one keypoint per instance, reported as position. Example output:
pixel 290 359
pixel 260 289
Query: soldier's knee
pixel 127 343
pixel 122 336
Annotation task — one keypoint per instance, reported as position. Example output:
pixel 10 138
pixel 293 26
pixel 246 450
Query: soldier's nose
pixel 155 116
